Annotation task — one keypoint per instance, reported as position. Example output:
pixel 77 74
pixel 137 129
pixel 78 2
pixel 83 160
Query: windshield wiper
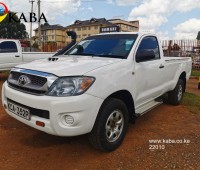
pixel 83 54
pixel 100 55
pixel 111 56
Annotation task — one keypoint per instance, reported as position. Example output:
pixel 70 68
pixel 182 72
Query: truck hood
pixel 69 65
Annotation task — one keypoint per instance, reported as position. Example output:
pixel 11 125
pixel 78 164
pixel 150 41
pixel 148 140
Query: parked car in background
pixel 11 54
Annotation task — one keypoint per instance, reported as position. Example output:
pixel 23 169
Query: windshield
pixel 113 46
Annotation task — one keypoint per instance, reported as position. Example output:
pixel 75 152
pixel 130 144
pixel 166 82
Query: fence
pixel 28 49
pixel 51 47
pixel 183 48
pixel 180 48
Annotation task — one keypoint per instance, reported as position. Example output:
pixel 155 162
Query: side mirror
pixel 79 49
pixel 145 55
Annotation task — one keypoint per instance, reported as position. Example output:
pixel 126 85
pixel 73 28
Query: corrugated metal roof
pixel 51 27
pixel 92 21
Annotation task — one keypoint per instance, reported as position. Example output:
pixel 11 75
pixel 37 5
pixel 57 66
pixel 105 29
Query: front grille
pixel 32 91
pixel 36 85
pixel 33 111
pixel 35 80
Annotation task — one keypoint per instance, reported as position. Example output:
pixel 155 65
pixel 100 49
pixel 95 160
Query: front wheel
pixel 111 126
pixel 175 96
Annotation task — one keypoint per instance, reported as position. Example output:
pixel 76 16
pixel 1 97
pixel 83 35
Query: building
pixel 52 34
pixel 126 26
pixel 93 26
pixel 86 28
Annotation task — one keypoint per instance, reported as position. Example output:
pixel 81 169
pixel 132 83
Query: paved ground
pixel 22 147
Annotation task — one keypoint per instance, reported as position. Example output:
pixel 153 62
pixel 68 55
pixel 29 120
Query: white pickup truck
pixel 96 87
pixel 11 54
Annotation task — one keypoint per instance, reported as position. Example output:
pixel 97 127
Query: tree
pixel 35 45
pixel 45 24
pixel 198 36
pixel 15 30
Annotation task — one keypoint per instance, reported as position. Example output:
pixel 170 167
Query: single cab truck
pixel 96 87
pixel 11 54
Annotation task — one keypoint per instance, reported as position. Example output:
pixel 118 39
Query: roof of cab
pixel 138 33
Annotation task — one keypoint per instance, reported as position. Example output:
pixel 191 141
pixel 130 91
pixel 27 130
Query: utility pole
pixel 39 24
pixel 31 1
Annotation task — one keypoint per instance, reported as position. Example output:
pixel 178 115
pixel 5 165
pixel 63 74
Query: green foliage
pixel 198 36
pixel 51 42
pixel 15 30
pixel 195 73
pixel 192 101
pixel 45 24
pixel 35 45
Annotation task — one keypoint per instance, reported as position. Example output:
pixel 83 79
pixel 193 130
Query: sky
pixel 170 19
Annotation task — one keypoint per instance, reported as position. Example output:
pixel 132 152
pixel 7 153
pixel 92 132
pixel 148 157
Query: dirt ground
pixel 22 147
pixel 192 86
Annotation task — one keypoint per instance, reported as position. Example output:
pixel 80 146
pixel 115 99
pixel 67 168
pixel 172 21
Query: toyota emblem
pixel 23 80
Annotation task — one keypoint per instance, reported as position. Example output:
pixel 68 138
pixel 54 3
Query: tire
pixel 111 126
pixel 175 97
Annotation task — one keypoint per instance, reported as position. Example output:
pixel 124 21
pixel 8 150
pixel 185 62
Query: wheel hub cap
pixel 180 92
pixel 114 125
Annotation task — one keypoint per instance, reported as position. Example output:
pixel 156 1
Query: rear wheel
pixel 111 126
pixel 175 96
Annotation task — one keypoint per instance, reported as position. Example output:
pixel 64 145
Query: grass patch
pixel 192 101
pixel 195 73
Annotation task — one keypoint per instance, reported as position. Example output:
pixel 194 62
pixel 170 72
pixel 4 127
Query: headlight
pixel 70 86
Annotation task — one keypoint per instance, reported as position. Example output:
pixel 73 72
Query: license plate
pixel 19 111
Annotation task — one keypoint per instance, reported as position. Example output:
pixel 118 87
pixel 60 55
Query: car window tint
pixel 150 44
pixel 8 47
pixel 113 46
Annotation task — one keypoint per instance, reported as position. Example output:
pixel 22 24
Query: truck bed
pixel 173 59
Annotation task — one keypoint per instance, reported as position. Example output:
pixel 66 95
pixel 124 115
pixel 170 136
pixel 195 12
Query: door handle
pixel 17 56
pixel 161 66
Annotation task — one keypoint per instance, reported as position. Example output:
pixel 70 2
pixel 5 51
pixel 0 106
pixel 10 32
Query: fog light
pixel 69 119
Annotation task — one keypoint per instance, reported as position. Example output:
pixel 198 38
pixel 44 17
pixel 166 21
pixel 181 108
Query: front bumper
pixel 83 109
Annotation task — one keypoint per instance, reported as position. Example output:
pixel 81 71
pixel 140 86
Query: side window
pixel 8 47
pixel 147 46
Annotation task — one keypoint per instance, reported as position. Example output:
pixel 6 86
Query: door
pixel 9 54
pixel 149 70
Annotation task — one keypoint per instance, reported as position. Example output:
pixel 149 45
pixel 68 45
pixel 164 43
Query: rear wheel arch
pixel 183 77
pixel 175 96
